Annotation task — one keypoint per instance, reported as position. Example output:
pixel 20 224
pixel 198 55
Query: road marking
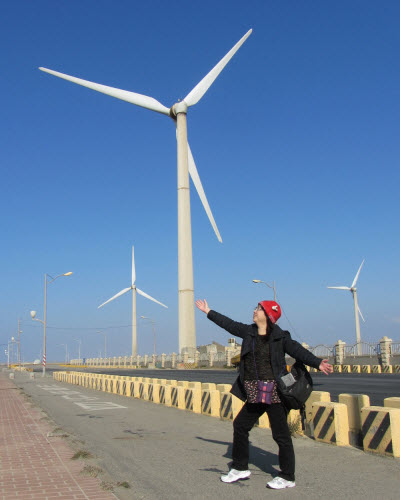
pixel 85 402
pixel 99 406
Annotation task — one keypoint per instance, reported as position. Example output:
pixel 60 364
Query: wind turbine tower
pixel 357 310
pixel 186 166
pixel 134 290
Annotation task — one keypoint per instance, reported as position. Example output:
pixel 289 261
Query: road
pixel 376 386
pixel 167 453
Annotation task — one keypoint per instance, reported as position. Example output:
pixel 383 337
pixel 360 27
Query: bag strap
pixel 254 358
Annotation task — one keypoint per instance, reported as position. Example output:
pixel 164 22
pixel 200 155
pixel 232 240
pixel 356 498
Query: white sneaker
pixel 278 483
pixel 235 475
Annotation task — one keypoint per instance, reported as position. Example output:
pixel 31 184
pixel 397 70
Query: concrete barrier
pixel 396 368
pixel 294 422
pixel 356 369
pixel 315 396
pixel 346 368
pixel 376 369
pixel 366 369
pixel 387 369
pixel 331 423
pixel 337 368
pixel 165 395
pixel 226 406
pixel 381 430
pixel 354 403
pixel 155 396
pixel 263 421
pixel 193 399
pixel 224 387
pixel 392 402
pixel 208 387
pixel 211 402
pixel 174 396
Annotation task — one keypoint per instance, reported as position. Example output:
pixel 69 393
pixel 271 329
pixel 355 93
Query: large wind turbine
pixel 357 310
pixel 187 333
pixel 134 290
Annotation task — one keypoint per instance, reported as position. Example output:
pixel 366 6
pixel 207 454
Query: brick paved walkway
pixel 32 465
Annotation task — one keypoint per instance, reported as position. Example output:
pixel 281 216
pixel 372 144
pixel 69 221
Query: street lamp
pixel 154 332
pixel 33 314
pixel 79 352
pixel 268 285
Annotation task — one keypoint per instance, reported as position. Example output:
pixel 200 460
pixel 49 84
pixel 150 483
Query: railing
pixel 366 349
pixel 395 348
pixel 323 351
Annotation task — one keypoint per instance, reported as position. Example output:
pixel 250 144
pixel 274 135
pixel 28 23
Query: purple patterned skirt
pixel 250 386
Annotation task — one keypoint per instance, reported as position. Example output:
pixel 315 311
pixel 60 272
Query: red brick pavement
pixel 32 465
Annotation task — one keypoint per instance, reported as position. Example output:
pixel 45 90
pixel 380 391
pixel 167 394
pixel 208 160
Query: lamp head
pixel 33 314
pixel 68 273
pixel 256 281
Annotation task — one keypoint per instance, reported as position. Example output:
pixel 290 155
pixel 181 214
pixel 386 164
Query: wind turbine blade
pixel 360 313
pixel 201 88
pixel 151 298
pixel 140 100
pixel 339 287
pixel 358 272
pixel 115 296
pixel 133 267
pixel 199 187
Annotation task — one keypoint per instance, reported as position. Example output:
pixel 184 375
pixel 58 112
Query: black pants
pixel 243 424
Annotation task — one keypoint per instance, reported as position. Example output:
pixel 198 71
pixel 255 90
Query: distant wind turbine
pixel 186 166
pixel 134 290
pixel 357 310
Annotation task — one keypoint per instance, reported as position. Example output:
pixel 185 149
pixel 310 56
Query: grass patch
pixel 82 454
pixel 106 486
pixel 91 470
pixel 124 484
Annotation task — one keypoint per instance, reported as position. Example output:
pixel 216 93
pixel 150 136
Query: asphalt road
pixel 167 453
pixel 376 386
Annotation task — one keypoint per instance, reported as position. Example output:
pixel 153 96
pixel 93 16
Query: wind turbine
pixel 186 166
pixel 134 290
pixel 357 310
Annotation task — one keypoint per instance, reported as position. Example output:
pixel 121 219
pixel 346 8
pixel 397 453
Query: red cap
pixel 272 309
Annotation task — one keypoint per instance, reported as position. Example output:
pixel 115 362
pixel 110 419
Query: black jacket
pixel 280 341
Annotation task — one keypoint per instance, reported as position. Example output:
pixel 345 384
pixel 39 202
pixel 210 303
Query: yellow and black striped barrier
pixel 330 422
pixel 381 430
pixel 226 412
pixel 174 396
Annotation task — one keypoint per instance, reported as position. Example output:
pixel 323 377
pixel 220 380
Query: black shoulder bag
pixel 295 387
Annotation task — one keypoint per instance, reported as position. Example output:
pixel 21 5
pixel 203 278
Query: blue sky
pixel 296 144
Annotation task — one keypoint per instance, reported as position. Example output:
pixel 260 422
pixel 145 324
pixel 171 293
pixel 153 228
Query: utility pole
pixel 19 346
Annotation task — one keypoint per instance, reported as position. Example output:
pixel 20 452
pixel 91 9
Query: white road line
pixel 86 402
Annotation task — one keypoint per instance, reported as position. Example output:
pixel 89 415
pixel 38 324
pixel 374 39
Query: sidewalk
pixel 32 465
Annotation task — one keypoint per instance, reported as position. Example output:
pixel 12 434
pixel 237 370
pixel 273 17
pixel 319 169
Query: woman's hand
pixel 326 367
pixel 203 306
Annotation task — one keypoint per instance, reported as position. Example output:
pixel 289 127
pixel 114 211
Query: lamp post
pixel 105 343
pixel 12 349
pixel 268 285
pixel 79 352
pixel 19 346
pixel 33 314
pixel 154 332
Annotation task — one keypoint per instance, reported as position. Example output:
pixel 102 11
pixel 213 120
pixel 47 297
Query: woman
pixel 262 357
